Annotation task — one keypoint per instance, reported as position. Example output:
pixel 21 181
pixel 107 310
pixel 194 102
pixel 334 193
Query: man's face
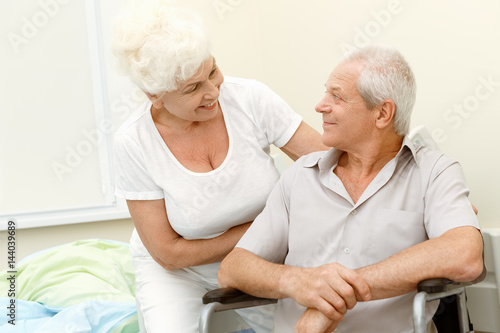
pixel 346 118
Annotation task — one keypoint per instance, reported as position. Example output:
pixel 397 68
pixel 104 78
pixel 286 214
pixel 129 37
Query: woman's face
pixel 197 98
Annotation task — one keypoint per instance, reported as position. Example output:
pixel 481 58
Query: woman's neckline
pixel 227 123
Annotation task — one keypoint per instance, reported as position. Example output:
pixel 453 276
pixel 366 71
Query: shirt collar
pixel 331 158
pixel 408 144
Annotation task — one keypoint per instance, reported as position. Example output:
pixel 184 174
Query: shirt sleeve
pixel 267 237
pixel 276 118
pixel 132 179
pixel 447 205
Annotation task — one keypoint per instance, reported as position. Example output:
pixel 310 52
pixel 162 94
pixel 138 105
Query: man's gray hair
pixel 386 75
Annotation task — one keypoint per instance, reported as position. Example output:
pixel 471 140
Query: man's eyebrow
pixel 333 87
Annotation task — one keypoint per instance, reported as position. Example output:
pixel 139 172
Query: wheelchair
pixel 451 316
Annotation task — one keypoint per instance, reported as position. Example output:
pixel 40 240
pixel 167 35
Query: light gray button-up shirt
pixel 310 220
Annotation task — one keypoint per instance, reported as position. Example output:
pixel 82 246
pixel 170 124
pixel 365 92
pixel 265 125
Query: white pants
pixel 170 301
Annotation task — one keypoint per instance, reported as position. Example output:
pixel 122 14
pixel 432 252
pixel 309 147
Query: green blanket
pixel 84 272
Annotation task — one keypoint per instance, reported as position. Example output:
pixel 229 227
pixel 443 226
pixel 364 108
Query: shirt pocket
pixel 395 230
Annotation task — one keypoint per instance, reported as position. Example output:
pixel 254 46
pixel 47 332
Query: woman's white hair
pixel 158 45
pixel 386 75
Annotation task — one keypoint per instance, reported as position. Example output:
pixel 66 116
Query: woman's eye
pixel 212 73
pixel 193 89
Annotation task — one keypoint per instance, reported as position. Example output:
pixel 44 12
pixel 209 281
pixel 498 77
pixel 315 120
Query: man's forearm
pixel 247 272
pixel 331 288
pixel 456 255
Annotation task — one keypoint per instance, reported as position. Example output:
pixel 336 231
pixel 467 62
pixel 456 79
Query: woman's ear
pixel 385 115
pixel 157 102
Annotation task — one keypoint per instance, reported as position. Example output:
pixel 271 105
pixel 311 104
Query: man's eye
pixel 334 96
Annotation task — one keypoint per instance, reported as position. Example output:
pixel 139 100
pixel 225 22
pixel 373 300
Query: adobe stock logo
pixel 455 115
pixel 89 141
pixel 85 147
pixel 223 6
pixel 30 26
pixel 381 19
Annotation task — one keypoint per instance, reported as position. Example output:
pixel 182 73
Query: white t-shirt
pixel 205 205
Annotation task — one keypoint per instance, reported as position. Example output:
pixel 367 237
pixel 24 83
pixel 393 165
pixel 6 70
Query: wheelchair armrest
pixel 439 285
pixel 223 299
pixel 231 295
pixel 434 289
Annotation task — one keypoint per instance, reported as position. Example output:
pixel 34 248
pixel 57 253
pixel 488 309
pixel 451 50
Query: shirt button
pixel 347 250
pixel 354 212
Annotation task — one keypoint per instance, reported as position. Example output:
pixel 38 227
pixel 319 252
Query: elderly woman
pixel 192 162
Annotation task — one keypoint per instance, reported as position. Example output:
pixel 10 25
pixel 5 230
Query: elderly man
pixel 365 221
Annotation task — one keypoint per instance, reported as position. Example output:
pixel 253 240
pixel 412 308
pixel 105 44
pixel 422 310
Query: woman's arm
pixel 304 141
pixel 171 250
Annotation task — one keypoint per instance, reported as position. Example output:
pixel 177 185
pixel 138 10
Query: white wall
pixel 291 45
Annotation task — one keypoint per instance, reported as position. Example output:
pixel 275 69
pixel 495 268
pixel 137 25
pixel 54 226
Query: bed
pixel 84 286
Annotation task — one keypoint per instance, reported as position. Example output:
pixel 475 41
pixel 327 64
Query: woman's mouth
pixel 210 106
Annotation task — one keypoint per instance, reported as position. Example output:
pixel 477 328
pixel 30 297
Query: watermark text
pixel 11 272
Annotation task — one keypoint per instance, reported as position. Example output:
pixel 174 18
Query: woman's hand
pixel 313 321
pixel 171 250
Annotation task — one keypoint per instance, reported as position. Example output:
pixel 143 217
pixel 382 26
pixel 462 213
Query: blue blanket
pixel 88 316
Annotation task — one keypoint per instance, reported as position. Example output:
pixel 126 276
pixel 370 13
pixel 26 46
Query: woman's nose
pixel 213 89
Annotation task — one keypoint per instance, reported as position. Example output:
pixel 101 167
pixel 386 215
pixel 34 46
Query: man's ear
pixel 385 114
pixel 157 102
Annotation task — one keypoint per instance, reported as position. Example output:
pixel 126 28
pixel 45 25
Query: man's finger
pixel 346 293
pixel 330 312
pixel 337 302
pixel 358 283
